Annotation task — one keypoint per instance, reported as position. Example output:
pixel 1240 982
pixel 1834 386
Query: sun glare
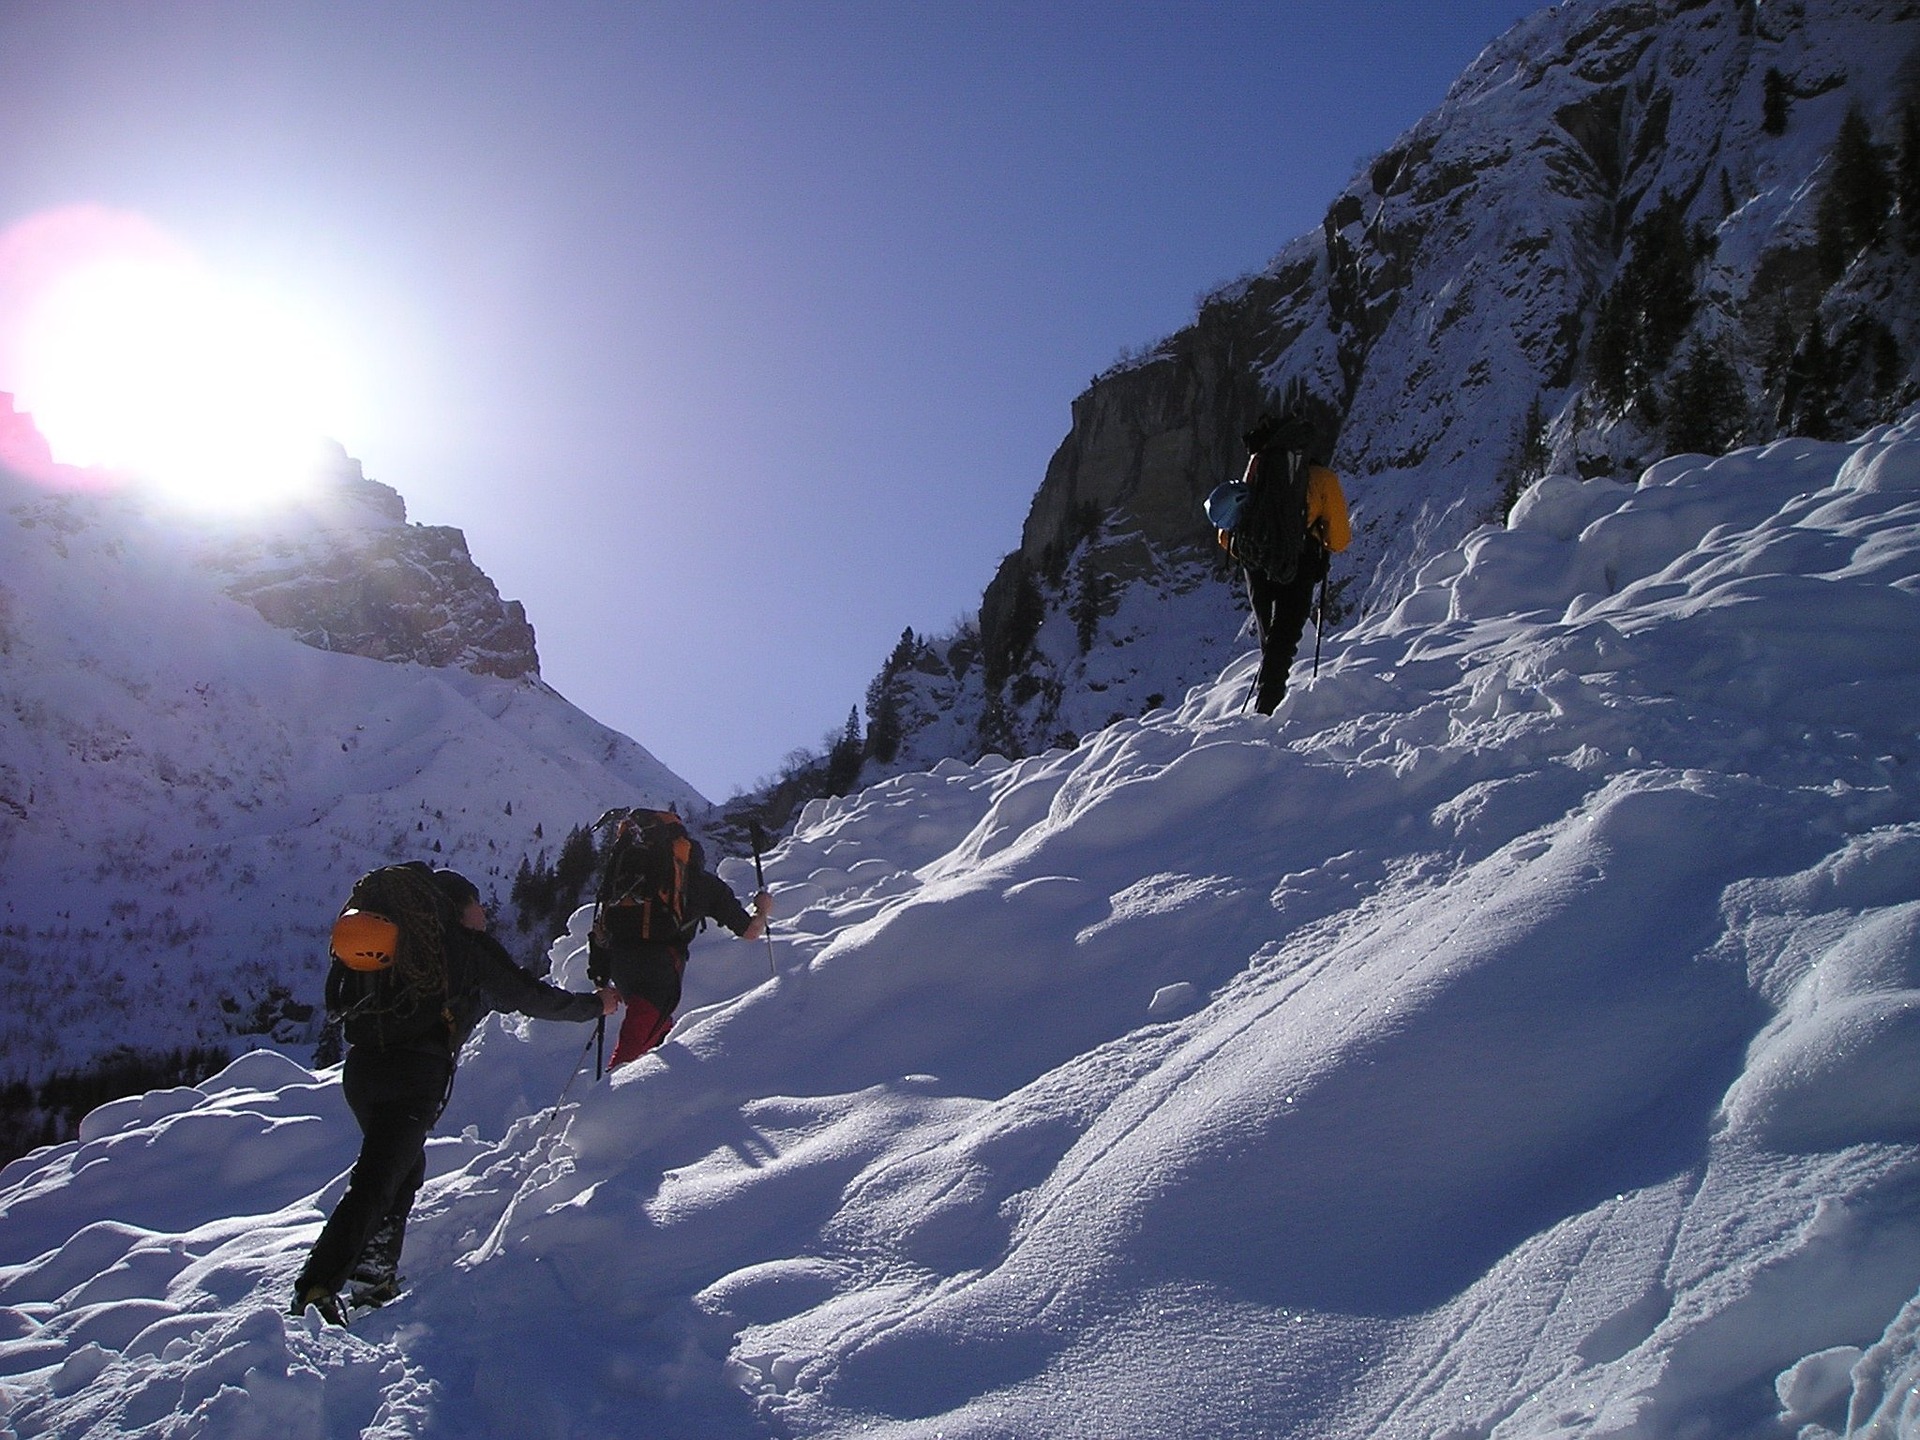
pixel 135 356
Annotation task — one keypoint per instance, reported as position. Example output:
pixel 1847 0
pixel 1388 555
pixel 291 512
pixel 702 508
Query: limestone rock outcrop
pixel 346 572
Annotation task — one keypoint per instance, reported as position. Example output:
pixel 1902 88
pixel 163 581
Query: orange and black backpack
pixel 643 896
pixel 388 978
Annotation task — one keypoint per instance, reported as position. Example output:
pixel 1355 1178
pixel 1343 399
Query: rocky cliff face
pixel 339 567
pixel 1623 233
pixel 345 572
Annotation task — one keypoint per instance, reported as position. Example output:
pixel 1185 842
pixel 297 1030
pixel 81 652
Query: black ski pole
pixel 1260 634
pixel 553 1111
pixel 573 1075
pixel 1319 625
pixel 600 1049
pixel 760 879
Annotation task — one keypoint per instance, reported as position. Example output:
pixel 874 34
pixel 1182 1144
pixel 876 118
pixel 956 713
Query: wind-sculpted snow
pixel 1516 1036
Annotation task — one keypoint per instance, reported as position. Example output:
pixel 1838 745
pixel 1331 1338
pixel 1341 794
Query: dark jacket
pixel 481 978
pixel 653 968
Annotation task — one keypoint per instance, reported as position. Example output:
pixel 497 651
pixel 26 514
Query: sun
pixel 136 356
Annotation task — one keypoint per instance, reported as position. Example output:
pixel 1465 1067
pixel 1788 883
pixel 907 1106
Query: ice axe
pixel 760 881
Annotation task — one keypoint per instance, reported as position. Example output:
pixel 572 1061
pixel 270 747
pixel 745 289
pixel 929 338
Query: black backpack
pixel 1271 534
pixel 643 896
pixel 409 998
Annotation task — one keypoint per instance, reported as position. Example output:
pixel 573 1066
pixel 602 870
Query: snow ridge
pixel 1513 1037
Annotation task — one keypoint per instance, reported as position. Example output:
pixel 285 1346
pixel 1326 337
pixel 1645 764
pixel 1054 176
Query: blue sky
pixel 735 336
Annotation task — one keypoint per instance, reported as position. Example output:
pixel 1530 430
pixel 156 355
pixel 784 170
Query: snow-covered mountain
pixel 1514 1037
pixel 212 725
pixel 1633 226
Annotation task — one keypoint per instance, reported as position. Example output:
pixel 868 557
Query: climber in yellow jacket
pixel 1283 521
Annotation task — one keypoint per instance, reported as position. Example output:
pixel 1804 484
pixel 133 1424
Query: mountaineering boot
pixel 376 1277
pixel 362 1296
pixel 379 1261
pixel 321 1299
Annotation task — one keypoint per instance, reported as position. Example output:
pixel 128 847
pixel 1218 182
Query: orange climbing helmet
pixel 362 940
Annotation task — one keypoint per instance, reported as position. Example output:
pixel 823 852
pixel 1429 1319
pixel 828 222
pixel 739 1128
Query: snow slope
pixel 187 792
pixel 1516 1036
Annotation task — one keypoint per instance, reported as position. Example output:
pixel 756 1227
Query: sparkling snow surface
pixel 1519 1035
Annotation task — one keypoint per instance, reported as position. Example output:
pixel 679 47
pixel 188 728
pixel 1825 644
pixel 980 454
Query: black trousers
pixel 1280 615
pixel 650 970
pixel 396 1095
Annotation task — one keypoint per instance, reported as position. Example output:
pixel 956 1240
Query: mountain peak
pixel 343 571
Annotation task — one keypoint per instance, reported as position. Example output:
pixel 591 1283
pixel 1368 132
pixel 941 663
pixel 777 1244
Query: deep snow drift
pixel 1517 1036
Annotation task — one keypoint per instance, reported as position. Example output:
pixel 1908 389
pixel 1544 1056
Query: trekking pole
pixel 1319 625
pixel 760 879
pixel 553 1114
pixel 553 1111
pixel 578 1066
pixel 1260 634
pixel 600 1048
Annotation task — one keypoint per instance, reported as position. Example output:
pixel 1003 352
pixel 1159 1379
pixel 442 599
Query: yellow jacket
pixel 1326 509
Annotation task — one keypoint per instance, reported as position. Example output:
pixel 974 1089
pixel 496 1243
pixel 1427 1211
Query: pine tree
pixel 1775 102
pixel 1860 174
pixel 1610 353
pixel 844 756
pixel 1852 214
pixel 1648 307
pixel 578 860
pixel 905 652
pixel 1007 650
pixel 1092 599
pixel 883 699
pixel 1883 352
pixel 1528 461
pixel 1807 398
pixel 1706 402
pixel 532 892
pixel 996 736
pixel 883 720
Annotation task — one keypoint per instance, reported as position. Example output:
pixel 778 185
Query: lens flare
pixel 135 356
